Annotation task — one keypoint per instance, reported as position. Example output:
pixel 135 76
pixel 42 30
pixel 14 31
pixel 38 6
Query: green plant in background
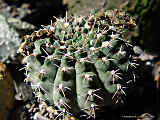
pixel 141 10
pixel 140 7
pixel 80 63
pixel 146 13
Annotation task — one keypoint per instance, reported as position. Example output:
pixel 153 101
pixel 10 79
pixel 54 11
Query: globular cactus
pixel 80 63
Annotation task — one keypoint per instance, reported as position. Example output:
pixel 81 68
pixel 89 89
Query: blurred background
pixel 22 17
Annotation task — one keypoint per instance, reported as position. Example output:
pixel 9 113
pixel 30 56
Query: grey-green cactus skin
pixel 79 63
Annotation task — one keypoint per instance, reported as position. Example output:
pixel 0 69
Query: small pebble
pixel 28 106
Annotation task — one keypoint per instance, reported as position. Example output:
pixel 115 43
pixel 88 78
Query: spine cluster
pixel 80 63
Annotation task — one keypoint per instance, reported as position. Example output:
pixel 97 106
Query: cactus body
pixel 77 63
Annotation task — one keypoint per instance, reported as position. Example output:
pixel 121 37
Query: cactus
pixel 80 63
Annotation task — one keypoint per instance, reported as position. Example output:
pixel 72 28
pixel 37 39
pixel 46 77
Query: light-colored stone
pixel 83 7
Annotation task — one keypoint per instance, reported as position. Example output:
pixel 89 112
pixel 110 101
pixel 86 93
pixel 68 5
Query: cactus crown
pixel 79 63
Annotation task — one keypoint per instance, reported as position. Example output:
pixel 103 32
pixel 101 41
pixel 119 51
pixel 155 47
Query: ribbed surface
pixel 78 63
